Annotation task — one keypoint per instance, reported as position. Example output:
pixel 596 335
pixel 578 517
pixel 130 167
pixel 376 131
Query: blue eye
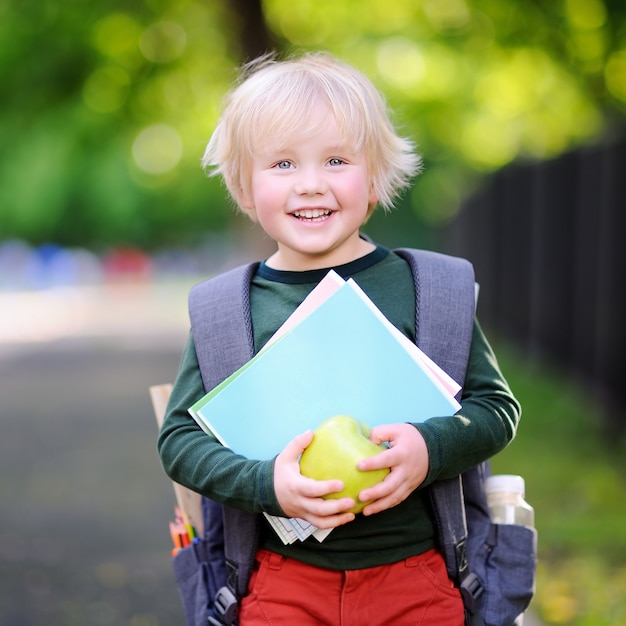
pixel 283 165
pixel 336 161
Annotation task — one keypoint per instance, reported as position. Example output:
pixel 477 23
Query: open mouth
pixel 312 215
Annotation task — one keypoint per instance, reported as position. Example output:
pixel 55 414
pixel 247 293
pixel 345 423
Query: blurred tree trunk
pixel 255 37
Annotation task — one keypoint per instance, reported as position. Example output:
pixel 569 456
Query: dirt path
pixel 85 505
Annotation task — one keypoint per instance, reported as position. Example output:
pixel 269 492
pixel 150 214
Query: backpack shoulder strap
pixel 445 292
pixel 445 307
pixel 221 324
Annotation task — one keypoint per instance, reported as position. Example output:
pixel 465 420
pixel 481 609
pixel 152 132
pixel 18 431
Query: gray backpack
pixel 494 566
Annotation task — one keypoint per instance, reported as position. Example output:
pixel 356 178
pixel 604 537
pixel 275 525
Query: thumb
pixel 297 445
pixel 381 434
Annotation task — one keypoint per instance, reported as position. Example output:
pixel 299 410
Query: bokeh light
pixel 163 42
pixel 158 149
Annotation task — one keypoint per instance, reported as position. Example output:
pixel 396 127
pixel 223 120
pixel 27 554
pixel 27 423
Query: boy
pixel 307 150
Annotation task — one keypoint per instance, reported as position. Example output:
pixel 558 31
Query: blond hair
pixel 268 105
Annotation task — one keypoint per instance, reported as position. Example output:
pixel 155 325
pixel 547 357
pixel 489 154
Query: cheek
pixel 359 187
pixel 266 192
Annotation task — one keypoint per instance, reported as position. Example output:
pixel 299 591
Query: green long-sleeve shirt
pixel 485 424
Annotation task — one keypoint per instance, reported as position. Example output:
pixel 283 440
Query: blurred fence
pixel 547 242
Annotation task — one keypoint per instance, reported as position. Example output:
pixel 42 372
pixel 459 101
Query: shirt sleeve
pixel 198 461
pixel 485 424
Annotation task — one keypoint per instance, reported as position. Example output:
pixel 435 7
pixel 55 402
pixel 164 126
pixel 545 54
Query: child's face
pixel 311 195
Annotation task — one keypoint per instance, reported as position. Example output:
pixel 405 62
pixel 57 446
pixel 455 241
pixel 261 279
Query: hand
pixel 407 458
pixel 300 496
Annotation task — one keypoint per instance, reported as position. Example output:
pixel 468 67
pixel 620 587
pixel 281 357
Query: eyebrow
pixel 344 148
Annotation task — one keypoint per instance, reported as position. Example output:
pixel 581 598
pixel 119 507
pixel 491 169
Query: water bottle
pixel 505 499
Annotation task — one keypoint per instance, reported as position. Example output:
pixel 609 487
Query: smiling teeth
pixel 312 213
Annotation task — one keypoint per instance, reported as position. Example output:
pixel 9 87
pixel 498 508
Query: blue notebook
pixel 343 358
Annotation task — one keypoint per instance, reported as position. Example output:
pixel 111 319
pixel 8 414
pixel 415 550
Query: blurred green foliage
pixel 106 107
pixel 576 480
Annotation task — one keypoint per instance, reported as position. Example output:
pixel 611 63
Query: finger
pixel 382 434
pixel 331 506
pixel 379 491
pixel 382 504
pixel 378 461
pixel 331 521
pixel 331 512
pixel 318 488
pixel 374 507
pixel 386 494
pixel 326 513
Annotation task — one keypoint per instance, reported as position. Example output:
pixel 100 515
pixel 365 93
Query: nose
pixel 311 181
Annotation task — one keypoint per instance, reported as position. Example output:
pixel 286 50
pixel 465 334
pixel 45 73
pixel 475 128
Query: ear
pixel 250 212
pixel 373 196
pixel 244 202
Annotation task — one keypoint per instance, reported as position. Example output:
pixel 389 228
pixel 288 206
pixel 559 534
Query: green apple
pixel 338 445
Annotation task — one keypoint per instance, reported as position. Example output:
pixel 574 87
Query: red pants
pixel 411 592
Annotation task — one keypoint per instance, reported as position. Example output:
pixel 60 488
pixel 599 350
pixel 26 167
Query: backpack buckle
pixel 471 589
pixel 225 605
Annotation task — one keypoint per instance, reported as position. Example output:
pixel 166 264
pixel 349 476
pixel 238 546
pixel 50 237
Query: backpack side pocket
pixel 198 581
pixel 507 568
